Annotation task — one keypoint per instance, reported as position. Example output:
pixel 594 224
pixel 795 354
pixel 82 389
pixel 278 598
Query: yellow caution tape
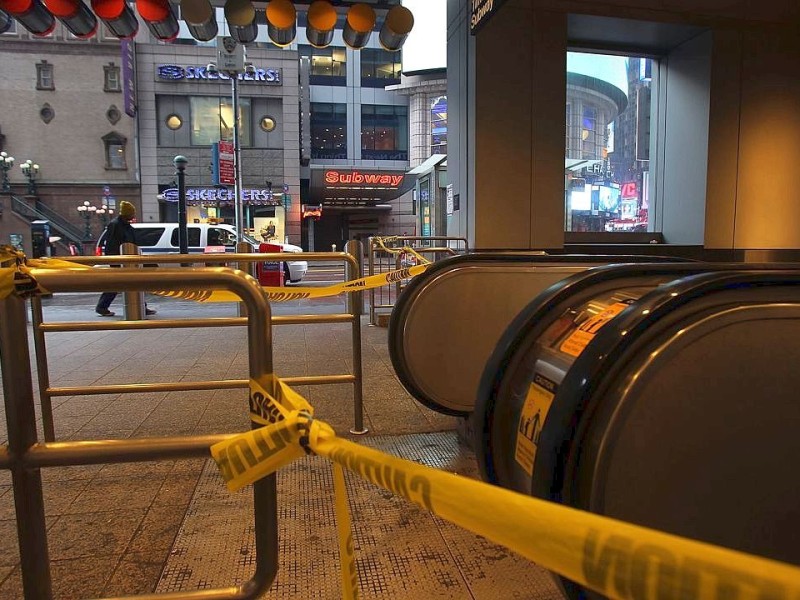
pixel 381 243
pixel 15 275
pixel 345 530
pixel 614 558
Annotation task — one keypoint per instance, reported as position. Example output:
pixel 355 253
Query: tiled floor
pixel 112 528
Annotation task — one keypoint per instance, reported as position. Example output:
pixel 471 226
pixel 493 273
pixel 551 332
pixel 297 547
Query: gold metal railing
pixel 25 456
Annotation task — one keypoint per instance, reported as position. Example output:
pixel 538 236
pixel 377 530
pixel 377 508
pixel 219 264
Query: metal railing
pixel 25 456
pixel 57 222
pixel 380 261
pixel 247 260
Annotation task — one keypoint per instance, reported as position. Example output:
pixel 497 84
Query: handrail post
pixel 371 264
pixel 356 309
pixel 42 369
pixel 248 267
pixel 21 424
pixel 134 301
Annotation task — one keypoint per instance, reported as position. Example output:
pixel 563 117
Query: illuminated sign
pixel 628 190
pixel 355 179
pixel 482 10
pixel 314 212
pixel 199 195
pixel 198 73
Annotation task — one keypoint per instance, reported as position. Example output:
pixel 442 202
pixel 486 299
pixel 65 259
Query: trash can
pixel 270 274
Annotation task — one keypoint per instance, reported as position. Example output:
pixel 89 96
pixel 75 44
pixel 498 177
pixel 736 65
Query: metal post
pixel 134 301
pixel 42 372
pixel 237 157
pixel 248 267
pixel 356 309
pixel 180 163
pixel 21 428
pixel 371 264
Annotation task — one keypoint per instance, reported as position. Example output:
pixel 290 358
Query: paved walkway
pixel 112 528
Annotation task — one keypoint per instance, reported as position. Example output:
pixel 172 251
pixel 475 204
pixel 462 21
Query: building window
pixel 439 125
pixel 111 79
pixel 44 76
pixel 328 66
pixel 384 132
pixel 7 24
pixel 379 67
pixel 173 122
pixel 328 130
pixel 606 171
pixel 212 120
pixel 115 151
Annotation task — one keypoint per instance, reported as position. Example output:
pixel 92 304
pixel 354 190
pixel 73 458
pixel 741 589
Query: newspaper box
pixel 270 274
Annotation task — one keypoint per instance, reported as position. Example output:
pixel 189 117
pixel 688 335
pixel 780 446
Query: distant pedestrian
pixel 118 231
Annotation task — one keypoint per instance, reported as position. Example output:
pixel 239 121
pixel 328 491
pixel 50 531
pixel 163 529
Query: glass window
pixel 7 24
pixel 148 236
pixel 221 237
pixel 328 130
pixel 379 67
pixel 212 120
pixel 112 82
pixel 384 132
pixel 44 76
pixel 192 235
pixel 173 122
pixel 439 126
pixel 328 66
pixel 607 131
pixel 115 145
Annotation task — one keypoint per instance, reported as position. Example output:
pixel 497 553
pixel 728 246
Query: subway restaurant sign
pixel 482 11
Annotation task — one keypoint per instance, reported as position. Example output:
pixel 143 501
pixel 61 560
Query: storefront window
pixel 328 130
pixel 439 126
pixel 212 120
pixel 328 65
pixel 607 130
pixel 379 67
pixel 384 132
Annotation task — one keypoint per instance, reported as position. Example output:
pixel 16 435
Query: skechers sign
pixel 192 73
pixel 249 196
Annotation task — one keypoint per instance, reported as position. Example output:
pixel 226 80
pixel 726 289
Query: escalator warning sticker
pixel 534 412
pixel 580 338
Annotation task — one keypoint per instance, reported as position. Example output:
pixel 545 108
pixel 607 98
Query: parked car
pixel 162 238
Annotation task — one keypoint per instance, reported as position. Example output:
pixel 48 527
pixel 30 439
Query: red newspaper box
pixel 270 274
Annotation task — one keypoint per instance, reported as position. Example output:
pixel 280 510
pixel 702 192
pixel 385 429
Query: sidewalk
pixel 125 528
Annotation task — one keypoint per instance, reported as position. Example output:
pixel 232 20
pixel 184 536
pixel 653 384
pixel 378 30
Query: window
pixel 328 127
pixel 115 151
pixel 607 129
pixel 379 67
pixel 328 66
pixel 221 237
pixel 384 132
pixel 173 122
pixel 439 126
pixel 7 24
pixel 44 76
pixel 267 123
pixel 192 235
pixel 212 120
pixel 111 80
pixel 148 236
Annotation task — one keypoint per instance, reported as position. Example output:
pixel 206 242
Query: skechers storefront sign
pixel 200 195
pixel 192 73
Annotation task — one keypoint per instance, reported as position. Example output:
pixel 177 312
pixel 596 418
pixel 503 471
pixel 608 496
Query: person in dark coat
pixel 118 231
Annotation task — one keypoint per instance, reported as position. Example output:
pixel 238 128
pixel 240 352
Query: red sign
pixel 357 179
pixel 313 212
pixel 629 190
pixel 226 172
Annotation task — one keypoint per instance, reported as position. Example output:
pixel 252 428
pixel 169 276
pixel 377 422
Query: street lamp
pixel 86 210
pixel 105 214
pixel 31 170
pixel 6 162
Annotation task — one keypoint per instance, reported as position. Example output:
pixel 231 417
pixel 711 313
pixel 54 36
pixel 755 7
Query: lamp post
pixel 6 162
pixel 105 214
pixel 31 171
pixel 86 210
pixel 180 163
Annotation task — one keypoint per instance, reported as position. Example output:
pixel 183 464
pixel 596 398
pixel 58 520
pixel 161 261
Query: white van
pixel 162 238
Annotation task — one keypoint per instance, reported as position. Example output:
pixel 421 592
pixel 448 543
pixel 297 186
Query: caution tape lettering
pixel 624 568
pixel 264 408
pixel 233 455
pixel 416 489
pixel 287 296
pixel 399 275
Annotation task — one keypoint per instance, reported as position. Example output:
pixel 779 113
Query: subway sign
pixel 357 179
pixel 201 73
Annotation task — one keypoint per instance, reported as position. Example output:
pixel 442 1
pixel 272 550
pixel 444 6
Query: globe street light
pixel 86 210
pixel 31 170
pixel 6 162
pixel 105 214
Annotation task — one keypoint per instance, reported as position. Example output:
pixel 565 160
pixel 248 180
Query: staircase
pixel 59 226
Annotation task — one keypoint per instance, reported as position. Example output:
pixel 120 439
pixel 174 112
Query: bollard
pixel 134 301
pixel 248 267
